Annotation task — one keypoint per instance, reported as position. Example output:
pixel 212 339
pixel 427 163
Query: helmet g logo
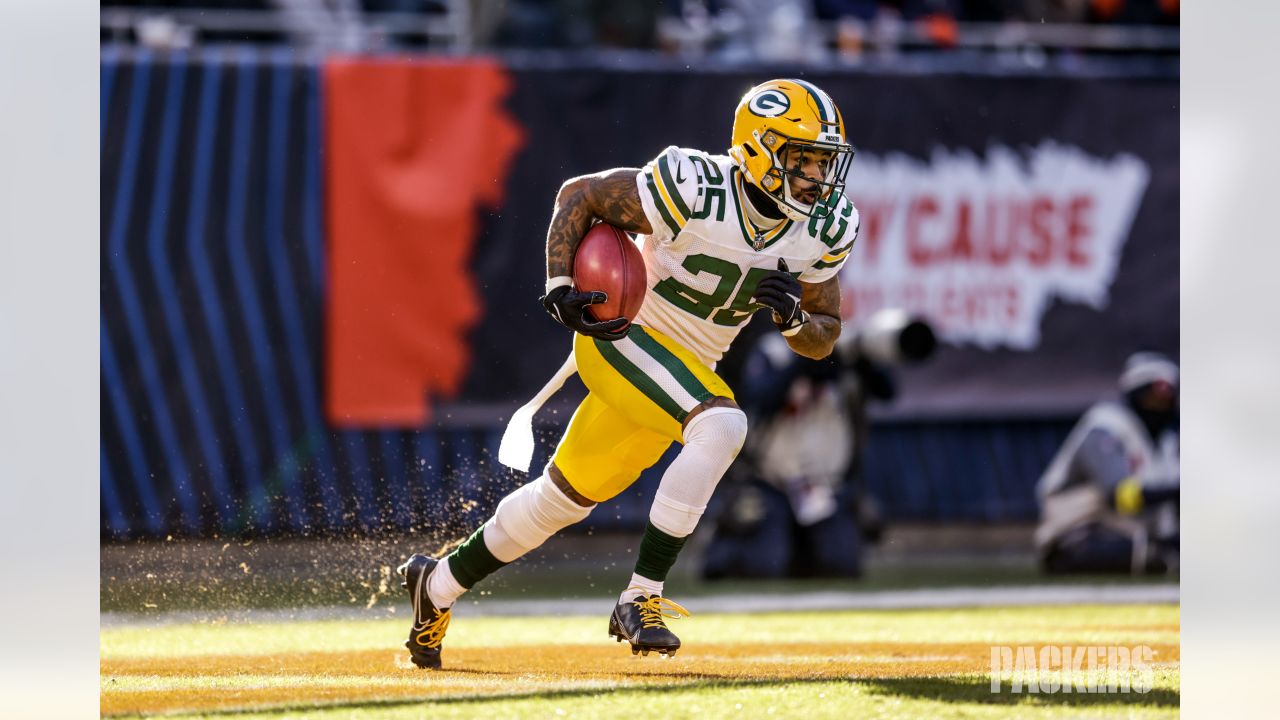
pixel 769 103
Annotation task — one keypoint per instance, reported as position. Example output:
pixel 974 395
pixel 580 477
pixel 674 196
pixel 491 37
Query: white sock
pixel 442 587
pixel 650 587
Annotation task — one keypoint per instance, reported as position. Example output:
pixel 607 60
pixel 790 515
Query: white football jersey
pixel 705 257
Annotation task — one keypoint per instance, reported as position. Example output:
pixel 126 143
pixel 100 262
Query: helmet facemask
pixel 789 156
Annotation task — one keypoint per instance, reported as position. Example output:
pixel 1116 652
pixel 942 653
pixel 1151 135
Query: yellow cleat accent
pixel 432 635
pixel 654 609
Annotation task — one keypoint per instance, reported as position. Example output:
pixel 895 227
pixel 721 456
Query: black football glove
pixel 780 291
pixel 568 306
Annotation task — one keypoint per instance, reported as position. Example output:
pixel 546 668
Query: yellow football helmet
pixel 786 116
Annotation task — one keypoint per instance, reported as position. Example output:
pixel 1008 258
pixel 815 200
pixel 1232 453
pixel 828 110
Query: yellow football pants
pixel 641 389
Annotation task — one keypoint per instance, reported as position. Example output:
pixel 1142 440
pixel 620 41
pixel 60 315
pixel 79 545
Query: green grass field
pixel 891 664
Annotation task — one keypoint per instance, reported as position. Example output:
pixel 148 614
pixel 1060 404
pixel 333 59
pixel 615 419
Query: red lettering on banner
pixel 999 254
pixel 947 303
pixel 997 231
pixel 913 295
pixel 1041 249
pixel 873 216
pixel 970 305
pixel 984 237
pixel 920 208
pixel 1078 230
pixel 861 300
pixel 982 247
pixel 961 240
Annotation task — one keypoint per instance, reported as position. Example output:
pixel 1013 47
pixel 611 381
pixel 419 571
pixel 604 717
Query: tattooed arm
pixel 611 196
pixel 817 337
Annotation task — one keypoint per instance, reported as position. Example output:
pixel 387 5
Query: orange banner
pixel 413 150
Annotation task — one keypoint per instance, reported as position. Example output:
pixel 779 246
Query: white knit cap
pixel 1144 368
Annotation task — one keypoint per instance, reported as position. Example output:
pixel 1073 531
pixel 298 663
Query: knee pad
pixel 536 511
pixel 711 442
pixel 718 428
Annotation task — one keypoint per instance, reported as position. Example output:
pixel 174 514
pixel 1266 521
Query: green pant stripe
pixel 642 382
pixel 662 205
pixel 678 369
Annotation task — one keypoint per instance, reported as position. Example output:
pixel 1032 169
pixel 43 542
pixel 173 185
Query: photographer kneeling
pixel 1109 499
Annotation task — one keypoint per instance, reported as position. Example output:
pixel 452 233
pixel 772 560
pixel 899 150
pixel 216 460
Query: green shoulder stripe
pixel 665 168
pixel 661 204
pixel 844 248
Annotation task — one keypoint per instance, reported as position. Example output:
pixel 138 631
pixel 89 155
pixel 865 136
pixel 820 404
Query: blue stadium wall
pixel 214 289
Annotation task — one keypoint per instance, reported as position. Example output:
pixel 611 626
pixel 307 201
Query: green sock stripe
pixel 658 552
pixel 472 562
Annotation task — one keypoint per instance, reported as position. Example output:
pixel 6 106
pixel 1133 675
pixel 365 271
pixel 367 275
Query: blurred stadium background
pixel 322 234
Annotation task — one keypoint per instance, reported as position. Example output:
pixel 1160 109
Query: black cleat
pixel 640 622
pixel 429 624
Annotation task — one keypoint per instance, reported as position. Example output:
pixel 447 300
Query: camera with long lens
pixel 890 337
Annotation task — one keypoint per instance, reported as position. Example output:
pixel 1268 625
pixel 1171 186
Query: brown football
pixel 609 261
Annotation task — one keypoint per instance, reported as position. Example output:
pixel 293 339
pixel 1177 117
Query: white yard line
pixel 954 597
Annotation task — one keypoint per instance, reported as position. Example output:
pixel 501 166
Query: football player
pixel 766 226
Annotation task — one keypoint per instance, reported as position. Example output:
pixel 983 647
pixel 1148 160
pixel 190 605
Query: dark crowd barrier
pixel 220 299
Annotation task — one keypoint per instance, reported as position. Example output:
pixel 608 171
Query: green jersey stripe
pixel 775 234
pixel 678 370
pixel 639 380
pixel 661 204
pixel 740 199
pixel 843 249
pixel 824 265
pixel 672 188
pixel 737 204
